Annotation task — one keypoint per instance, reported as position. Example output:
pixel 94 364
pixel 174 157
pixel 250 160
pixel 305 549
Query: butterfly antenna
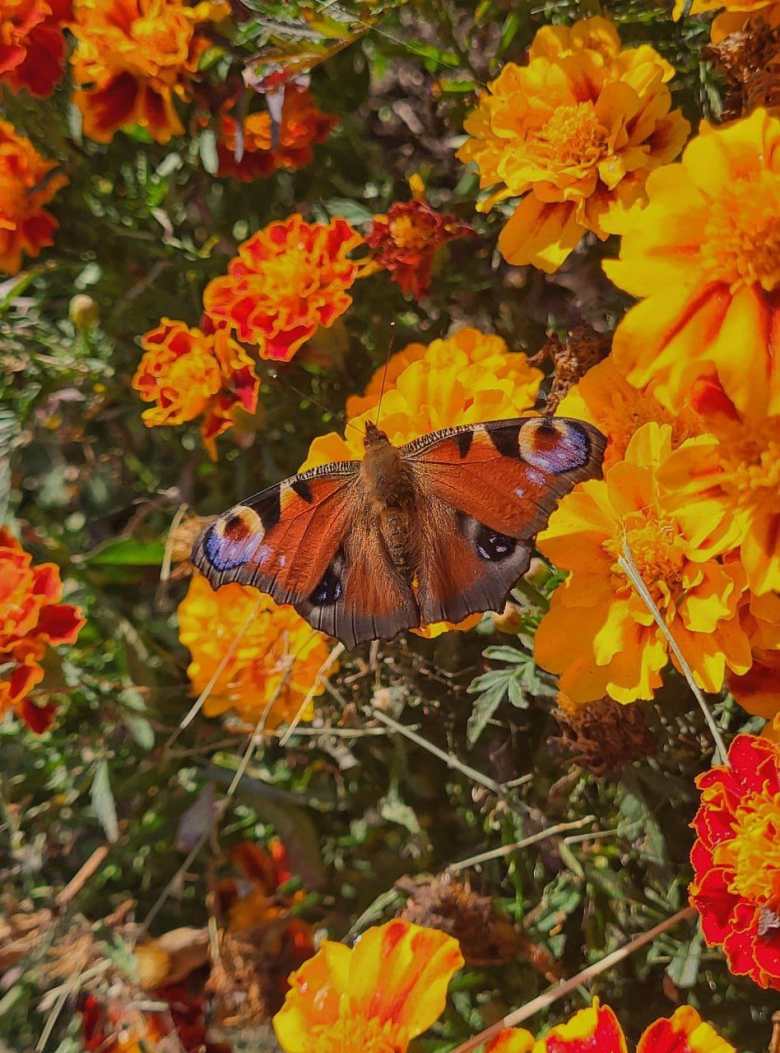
pixel 390 345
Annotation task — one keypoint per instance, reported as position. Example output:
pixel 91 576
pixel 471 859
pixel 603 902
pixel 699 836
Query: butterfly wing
pixel 310 541
pixel 487 490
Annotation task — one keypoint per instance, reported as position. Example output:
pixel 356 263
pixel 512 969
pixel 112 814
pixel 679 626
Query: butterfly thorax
pixel 390 489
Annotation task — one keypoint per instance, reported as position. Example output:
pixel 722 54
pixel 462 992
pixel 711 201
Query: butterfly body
pixel 430 531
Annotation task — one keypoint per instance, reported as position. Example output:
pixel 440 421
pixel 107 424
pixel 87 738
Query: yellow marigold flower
pixel 287 280
pixel 188 373
pixel 598 634
pixel 705 257
pixel 597 1030
pixel 273 667
pixel 576 132
pixel 133 58
pixel 731 477
pixel 374 998
pixel 605 398
pixel 469 377
pixel 758 690
pixel 26 185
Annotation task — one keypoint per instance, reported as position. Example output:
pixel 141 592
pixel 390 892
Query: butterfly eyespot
pixel 554 445
pixel 233 539
pixel 493 546
pixel 329 589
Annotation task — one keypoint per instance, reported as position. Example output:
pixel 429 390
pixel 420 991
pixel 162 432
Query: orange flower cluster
pixel 392 986
pixel 31 620
pixel 272 674
pixel 302 125
pixel 27 183
pixel 469 377
pixel 32 47
pixel 287 280
pixel 574 134
pixel 405 241
pixel 736 859
pixel 134 58
pixel 188 374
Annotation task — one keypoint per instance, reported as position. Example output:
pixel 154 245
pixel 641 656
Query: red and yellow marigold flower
pixel 405 240
pixel 736 859
pixel 134 58
pixel 27 183
pixel 275 661
pixel 704 257
pixel 605 398
pixel 188 373
pixel 32 47
pixel 574 134
pixel 377 996
pixel 302 125
pixel 468 377
pixel 597 1030
pixel 287 280
pixel 598 634
pixel 31 621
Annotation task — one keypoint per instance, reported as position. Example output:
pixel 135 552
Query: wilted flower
pixel 598 1030
pixel 576 132
pixel 746 50
pixel 32 47
pixel 287 280
pixel 733 18
pixel 31 620
pixel 133 58
pixel 188 373
pixel 603 737
pixel 275 656
pixel 404 242
pixel 27 183
pixel 598 634
pixel 302 125
pixel 736 859
pixel 378 996
pixel 705 256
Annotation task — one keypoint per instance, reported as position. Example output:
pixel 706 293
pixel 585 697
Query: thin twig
pixel 165 569
pixel 82 876
pixel 321 672
pixel 627 564
pixel 449 759
pixel 507 850
pixel 560 990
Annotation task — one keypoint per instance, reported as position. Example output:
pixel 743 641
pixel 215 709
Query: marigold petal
pixel 540 234
pixel 596 1028
pixel 683 1032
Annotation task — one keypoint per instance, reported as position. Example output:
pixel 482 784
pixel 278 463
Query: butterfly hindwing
pixel 283 539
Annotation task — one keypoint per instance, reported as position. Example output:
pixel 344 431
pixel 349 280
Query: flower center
pixel 754 852
pixel 656 552
pixel 741 244
pixel 354 1034
pixel 750 459
pixel 408 233
pixel 572 137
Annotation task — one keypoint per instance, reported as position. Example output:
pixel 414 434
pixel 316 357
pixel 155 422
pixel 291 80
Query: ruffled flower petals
pixel 593 1029
pixel 683 1032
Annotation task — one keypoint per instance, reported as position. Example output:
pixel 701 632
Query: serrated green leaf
pixel 103 801
pixel 684 967
pixel 483 710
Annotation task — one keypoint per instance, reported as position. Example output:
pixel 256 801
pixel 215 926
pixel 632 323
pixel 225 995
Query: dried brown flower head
pixel 603 736
pixel 749 58
pixel 571 359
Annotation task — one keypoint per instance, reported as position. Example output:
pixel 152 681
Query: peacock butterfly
pixel 430 531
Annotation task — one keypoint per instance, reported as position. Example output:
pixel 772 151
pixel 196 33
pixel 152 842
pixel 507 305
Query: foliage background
pixel 143 227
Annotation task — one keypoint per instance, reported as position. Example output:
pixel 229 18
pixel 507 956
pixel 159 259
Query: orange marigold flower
pixel 276 657
pixel 731 476
pixel 405 241
pixel 469 377
pixel 188 374
pixel 302 125
pixel 736 859
pixel 26 185
pixel 597 1030
pixel 31 620
pixel 576 132
pixel 758 690
pixel 287 280
pixel 598 634
pixel 605 398
pixel 705 257
pixel 377 996
pixel 32 47
pixel 133 58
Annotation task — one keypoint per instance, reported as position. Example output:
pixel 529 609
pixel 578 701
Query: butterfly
pixel 430 531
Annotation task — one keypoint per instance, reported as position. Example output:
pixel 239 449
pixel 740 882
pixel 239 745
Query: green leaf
pixel 208 151
pixel 483 710
pixel 126 552
pixel 141 730
pixel 683 969
pixel 103 802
